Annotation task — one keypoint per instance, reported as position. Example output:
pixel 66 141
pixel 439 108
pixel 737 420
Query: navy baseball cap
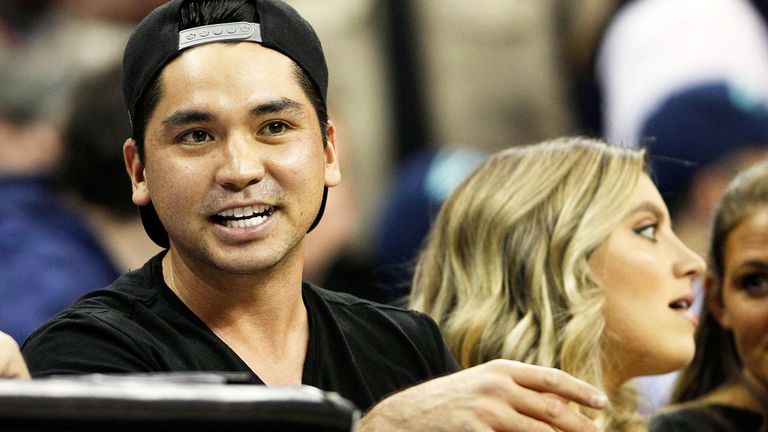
pixel 158 40
pixel 699 125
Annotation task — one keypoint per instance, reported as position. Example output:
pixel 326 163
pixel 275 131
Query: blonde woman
pixel 561 254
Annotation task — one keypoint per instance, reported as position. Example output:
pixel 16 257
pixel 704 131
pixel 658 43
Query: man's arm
pixel 12 364
pixel 501 395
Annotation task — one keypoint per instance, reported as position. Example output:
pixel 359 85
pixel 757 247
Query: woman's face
pixel 743 306
pixel 647 274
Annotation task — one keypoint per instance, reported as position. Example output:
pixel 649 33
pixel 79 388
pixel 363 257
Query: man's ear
pixel 713 295
pixel 332 169
pixel 135 168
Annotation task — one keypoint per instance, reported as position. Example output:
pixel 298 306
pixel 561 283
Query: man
pixel 231 157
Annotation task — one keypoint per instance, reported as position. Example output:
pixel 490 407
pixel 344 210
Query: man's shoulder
pixel 362 318
pixel 338 300
pixel 378 330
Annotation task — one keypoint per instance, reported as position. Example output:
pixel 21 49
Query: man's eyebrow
pixel 183 117
pixel 186 116
pixel 276 106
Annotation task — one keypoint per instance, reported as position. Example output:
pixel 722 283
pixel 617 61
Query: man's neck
pixel 261 318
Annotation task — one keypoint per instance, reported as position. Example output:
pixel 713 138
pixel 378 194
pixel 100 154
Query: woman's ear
pixel 135 168
pixel 713 295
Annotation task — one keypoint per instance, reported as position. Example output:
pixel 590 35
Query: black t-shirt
pixel 361 350
pixel 707 418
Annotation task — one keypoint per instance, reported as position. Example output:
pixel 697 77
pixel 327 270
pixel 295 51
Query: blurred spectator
pixel 67 224
pixel 492 71
pixel 48 257
pixel 57 246
pixel 725 388
pixel 51 254
pixel 421 185
pixel 68 39
pixel 700 137
pixel 653 48
pixel 92 176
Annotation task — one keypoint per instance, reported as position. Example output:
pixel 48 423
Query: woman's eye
pixel 195 137
pixel 647 231
pixel 755 285
pixel 276 128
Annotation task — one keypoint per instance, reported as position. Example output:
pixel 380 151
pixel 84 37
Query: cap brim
pixel 153 226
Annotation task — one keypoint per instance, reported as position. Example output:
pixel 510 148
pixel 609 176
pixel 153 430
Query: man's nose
pixel 241 163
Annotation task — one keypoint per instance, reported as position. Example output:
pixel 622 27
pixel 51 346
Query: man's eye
pixel 755 285
pixel 647 231
pixel 195 137
pixel 275 128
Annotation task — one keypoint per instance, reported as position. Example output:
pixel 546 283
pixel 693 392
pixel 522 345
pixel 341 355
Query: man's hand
pixel 501 395
pixel 12 364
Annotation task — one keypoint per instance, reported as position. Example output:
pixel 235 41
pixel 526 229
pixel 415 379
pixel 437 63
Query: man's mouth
pixel 243 217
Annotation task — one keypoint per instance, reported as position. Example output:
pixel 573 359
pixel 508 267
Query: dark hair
pixel 206 12
pixel 92 165
pixel 716 360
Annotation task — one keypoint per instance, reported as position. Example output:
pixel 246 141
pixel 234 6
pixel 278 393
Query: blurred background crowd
pixel 420 90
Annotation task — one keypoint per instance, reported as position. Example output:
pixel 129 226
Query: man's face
pixel 234 161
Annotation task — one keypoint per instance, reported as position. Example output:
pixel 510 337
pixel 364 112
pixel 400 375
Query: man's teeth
pixel 243 223
pixel 243 217
pixel 244 211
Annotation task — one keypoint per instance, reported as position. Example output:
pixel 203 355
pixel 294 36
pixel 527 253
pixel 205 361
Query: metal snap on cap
pixel 234 31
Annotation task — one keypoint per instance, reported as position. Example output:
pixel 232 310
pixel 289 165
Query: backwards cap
pixel 158 39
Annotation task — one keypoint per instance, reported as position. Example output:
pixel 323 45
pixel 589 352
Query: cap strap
pixel 234 31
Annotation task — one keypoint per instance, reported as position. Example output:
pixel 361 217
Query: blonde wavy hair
pixel 504 270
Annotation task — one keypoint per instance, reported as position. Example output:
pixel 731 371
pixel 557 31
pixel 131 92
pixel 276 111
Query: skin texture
pixel 637 303
pixel 743 307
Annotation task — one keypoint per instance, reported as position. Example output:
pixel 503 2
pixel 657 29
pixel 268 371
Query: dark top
pixel 707 418
pixel 362 350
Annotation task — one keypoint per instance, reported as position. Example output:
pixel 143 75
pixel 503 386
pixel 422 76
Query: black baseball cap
pixel 158 40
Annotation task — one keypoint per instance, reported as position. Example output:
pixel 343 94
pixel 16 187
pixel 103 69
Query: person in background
pixel 91 173
pixel 230 159
pixel 49 253
pixel 652 49
pixel 699 138
pixel 50 257
pixel 725 388
pixel 578 269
